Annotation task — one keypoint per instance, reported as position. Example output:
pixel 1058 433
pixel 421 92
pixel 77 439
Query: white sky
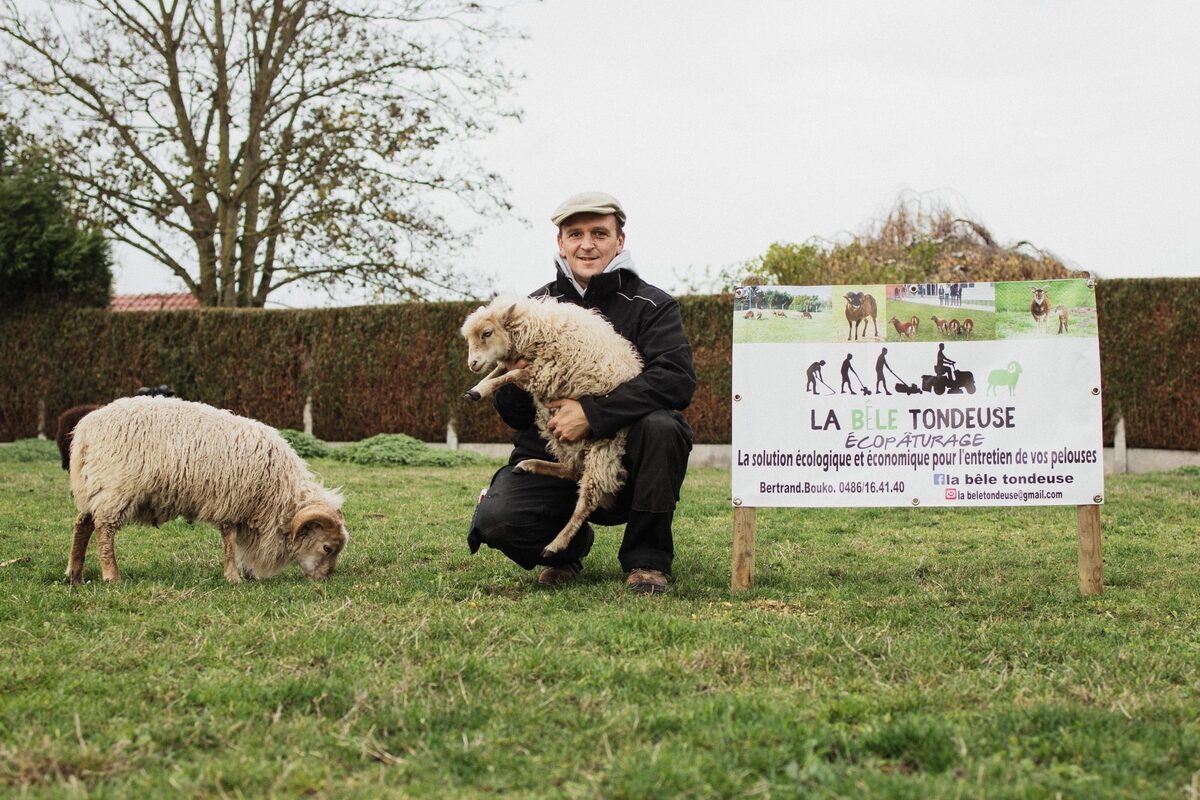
pixel 723 127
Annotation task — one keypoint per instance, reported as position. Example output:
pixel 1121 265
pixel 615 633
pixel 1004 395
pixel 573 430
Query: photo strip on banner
pixel 964 394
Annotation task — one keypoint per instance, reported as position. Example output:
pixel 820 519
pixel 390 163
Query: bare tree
pixel 251 144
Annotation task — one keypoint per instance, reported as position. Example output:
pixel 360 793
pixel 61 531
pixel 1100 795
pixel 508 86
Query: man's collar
pixel 603 284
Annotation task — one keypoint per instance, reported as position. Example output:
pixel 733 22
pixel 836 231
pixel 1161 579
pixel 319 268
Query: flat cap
pixel 589 203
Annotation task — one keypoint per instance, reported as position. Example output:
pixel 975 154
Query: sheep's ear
pixel 507 315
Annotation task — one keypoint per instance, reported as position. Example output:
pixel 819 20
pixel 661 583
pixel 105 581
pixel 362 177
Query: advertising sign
pixel 966 394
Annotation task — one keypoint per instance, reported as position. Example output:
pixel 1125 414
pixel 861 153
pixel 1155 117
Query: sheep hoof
pixel 473 395
pixel 548 553
pixel 519 469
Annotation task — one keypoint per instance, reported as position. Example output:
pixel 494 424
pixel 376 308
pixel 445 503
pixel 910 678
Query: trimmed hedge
pixel 369 370
pixel 401 368
pixel 1150 359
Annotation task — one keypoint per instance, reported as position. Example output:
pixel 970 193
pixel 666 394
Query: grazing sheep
pixel 1005 377
pixel 1061 312
pixel 905 329
pixel 805 315
pixel 571 352
pixel 955 327
pixel 748 315
pixel 1039 308
pixel 142 459
pixel 859 306
pixel 916 322
pixel 942 325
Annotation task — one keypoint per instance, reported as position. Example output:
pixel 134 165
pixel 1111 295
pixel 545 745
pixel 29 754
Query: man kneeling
pixel 521 513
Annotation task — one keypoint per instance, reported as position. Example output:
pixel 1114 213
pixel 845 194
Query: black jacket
pixel 646 316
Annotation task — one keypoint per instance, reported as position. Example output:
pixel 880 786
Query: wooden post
pixel 1091 564
pixel 743 549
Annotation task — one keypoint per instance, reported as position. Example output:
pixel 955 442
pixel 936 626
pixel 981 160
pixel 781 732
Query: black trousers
pixel 522 513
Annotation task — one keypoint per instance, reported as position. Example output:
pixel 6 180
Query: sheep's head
pixel 489 340
pixel 318 537
pixel 854 298
pixel 1039 294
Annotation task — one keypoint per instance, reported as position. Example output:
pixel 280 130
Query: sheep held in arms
pixel 151 459
pixel 571 352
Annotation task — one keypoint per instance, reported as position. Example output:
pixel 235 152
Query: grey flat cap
pixel 589 203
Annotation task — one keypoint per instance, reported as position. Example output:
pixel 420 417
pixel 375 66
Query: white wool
pixel 151 459
pixel 573 352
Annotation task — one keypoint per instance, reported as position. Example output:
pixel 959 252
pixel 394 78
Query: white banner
pixel 945 395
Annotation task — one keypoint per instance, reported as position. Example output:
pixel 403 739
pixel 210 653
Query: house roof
pixel 154 302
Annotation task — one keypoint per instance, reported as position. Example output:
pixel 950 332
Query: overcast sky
pixel 724 127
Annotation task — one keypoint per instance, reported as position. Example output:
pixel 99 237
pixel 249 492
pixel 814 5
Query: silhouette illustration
pixel 814 375
pixel 880 365
pixel 946 378
pixel 1005 377
pixel 848 368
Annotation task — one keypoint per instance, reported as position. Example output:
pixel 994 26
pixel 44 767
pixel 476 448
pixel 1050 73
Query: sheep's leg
pixel 589 501
pixel 476 392
pixel 229 537
pixel 106 533
pixel 83 534
pixel 602 478
pixel 554 469
pixel 488 386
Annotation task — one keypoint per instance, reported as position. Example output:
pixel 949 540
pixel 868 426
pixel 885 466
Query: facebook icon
pixel 939 479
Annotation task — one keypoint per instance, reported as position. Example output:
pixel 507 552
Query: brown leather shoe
pixel 560 575
pixel 646 581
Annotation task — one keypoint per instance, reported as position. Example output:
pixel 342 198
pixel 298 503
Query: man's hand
pixel 568 423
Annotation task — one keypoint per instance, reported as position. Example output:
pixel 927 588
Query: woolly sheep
pixel 142 459
pixel 571 353
pixel 70 418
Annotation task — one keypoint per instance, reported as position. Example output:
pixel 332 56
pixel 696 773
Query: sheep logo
pixel 1005 377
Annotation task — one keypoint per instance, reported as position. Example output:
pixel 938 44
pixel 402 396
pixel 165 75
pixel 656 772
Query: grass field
pixel 792 328
pixel 1013 320
pixel 903 310
pixel 895 652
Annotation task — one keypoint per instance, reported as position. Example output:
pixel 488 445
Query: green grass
pixel 792 328
pixel 891 652
pixel 903 310
pixel 1013 320
pixel 28 450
